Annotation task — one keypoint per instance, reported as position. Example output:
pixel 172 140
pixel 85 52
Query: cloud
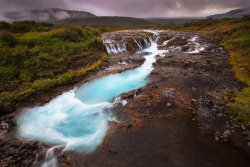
pixel 135 8
pixel 161 8
pixel 18 5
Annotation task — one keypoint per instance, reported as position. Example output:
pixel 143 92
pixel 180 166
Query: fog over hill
pixel 48 14
pixel 237 13
pixel 63 16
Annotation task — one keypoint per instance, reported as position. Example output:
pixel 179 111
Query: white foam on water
pixel 197 46
pixel 51 159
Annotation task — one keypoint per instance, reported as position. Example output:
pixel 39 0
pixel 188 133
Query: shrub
pixel 64 79
pixel 47 24
pixel 8 39
pixel 246 17
pixel 26 75
pixel 7 75
pixel 93 42
pixel 24 26
pixel 44 85
pixel 74 48
pixel 4 25
pixel 6 54
pixel 71 34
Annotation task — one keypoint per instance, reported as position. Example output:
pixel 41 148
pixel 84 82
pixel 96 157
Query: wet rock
pixel 4 125
pixel 130 126
pixel 112 151
pixel 127 95
pixel 170 93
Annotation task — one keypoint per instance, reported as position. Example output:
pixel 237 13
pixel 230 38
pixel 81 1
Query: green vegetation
pixel 4 25
pixel 38 57
pixel 105 20
pixel 174 20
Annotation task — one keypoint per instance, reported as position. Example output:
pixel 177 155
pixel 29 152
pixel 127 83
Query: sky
pixel 133 8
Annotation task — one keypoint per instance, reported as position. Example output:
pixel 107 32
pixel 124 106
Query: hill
pixel 172 20
pixel 49 14
pixel 105 20
pixel 237 13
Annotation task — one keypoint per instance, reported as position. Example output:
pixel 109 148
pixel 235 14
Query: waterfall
pixel 118 46
pixel 139 45
pixel 115 48
pixel 51 157
pixel 197 46
pixel 146 42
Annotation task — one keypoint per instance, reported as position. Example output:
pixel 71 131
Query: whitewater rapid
pixel 78 119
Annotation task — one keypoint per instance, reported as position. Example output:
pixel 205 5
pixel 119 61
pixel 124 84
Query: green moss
pixel 241 105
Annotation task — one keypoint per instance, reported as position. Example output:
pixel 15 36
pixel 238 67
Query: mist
pixel 133 8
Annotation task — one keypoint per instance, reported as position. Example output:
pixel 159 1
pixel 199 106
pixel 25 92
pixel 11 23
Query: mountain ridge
pixel 105 20
pixel 47 14
pixel 236 13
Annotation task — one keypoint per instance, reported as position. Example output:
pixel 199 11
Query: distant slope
pixel 172 20
pixel 237 13
pixel 49 14
pixel 105 20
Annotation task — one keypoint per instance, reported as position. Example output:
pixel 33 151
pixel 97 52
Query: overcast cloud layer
pixel 135 8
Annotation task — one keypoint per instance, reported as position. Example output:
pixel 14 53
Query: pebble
pixel 246 133
pixel 193 100
pixel 217 138
pixel 169 105
pixel 4 125
pixel 194 89
pixel 243 127
pixel 226 134
pixel 220 115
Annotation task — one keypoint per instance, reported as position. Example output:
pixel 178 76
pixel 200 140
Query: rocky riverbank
pixel 175 120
